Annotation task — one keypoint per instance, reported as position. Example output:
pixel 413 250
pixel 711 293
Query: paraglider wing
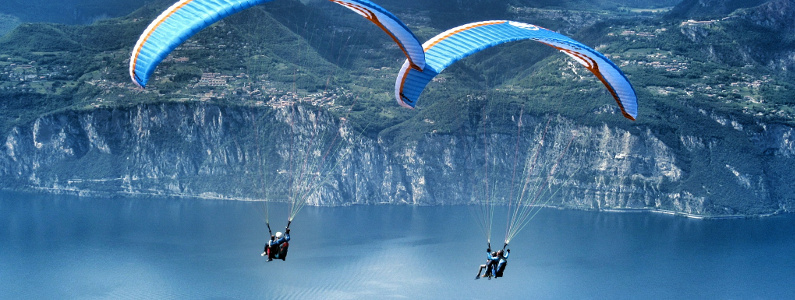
pixel 175 25
pixel 460 42
pixel 390 24
pixel 187 17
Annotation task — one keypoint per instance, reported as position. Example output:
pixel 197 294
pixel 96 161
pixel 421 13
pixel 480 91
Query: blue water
pixel 55 247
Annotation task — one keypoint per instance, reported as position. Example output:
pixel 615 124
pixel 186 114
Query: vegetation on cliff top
pixel 288 51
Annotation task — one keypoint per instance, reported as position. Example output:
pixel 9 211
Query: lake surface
pixel 55 247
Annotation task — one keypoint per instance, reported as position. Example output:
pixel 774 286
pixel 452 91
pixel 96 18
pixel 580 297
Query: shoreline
pixel 218 197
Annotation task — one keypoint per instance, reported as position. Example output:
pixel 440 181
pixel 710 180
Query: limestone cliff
pixel 203 150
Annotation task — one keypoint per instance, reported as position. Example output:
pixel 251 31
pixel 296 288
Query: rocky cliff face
pixel 771 21
pixel 201 150
pixel 775 15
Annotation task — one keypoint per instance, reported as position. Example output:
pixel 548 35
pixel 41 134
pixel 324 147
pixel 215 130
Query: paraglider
pixel 502 262
pixel 187 17
pixel 455 44
pixel 489 265
pixel 495 263
pixel 278 245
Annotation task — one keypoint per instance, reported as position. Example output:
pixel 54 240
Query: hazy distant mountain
pixel 7 22
pixel 69 11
